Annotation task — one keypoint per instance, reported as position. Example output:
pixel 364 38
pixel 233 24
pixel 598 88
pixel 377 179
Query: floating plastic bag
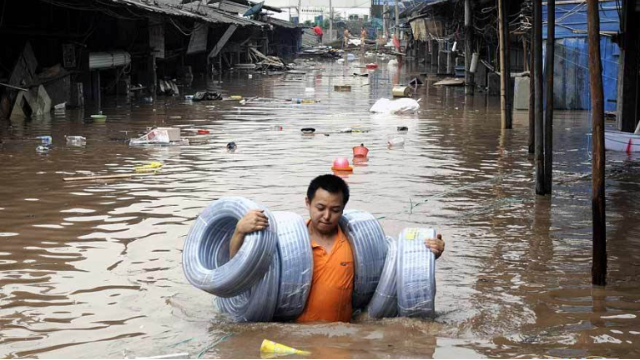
pixel 400 106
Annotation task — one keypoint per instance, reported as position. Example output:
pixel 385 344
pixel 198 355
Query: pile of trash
pixel 322 51
pixel 168 87
pixel 206 95
pixel 265 63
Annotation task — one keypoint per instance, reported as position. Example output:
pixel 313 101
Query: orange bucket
pixel 360 151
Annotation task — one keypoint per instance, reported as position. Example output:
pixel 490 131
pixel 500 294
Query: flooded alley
pixel 94 268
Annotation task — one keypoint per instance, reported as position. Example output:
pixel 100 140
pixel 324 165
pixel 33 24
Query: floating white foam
pixel 623 316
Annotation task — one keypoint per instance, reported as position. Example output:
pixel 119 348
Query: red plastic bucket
pixel 360 151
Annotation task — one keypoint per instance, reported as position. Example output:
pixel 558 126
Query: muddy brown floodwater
pixel 93 269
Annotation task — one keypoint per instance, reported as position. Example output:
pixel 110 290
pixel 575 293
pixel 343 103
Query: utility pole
pixel 299 11
pixel 548 118
pixel 599 267
pixel 385 8
pixel 330 21
pixel 397 32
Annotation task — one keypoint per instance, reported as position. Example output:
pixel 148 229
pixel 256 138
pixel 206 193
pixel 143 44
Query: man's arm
pixel 254 220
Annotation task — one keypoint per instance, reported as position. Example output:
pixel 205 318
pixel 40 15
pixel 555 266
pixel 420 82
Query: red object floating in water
pixel 203 131
pixel 341 164
pixel 360 151
pixel 372 66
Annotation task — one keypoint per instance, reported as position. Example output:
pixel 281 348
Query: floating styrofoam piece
pixel 165 136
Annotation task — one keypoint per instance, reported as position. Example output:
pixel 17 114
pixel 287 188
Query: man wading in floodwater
pixel 333 270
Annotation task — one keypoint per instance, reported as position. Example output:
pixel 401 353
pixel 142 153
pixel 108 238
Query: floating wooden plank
pixel 223 40
pixel 105 177
pixel 450 82
pixel 14 87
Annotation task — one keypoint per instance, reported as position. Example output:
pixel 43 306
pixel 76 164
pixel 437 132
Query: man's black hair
pixel 331 183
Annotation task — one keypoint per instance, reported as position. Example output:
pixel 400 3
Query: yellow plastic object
pixel 149 167
pixel 308 101
pixel 269 348
pixel 236 97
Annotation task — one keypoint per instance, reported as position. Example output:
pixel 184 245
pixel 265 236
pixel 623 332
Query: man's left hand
pixel 435 245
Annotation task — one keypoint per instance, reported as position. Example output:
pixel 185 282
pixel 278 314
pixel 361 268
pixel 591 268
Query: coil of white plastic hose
pixel 385 301
pixel 369 247
pixel 416 274
pixel 259 303
pixel 296 265
pixel 205 258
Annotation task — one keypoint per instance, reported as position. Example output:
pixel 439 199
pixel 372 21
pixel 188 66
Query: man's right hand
pixel 252 221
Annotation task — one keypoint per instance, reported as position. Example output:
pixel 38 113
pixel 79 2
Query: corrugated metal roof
pixel 571 19
pixel 280 23
pixel 222 16
pixel 201 13
pixel 235 8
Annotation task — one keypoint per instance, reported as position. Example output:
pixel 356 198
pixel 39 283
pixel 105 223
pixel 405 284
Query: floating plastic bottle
pixel 46 140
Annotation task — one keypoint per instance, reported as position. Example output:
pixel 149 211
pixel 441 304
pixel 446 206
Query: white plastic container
pixel 76 140
pixel 396 142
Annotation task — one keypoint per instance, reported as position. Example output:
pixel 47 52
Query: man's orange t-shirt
pixel 332 285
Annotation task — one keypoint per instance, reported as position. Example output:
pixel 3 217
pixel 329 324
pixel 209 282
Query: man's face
pixel 325 210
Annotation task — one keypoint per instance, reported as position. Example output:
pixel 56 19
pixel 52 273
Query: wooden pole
pixel 505 66
pixel 599 268
pixel 538 111
pixel 548 118
pixel 468 41
pixel 532 96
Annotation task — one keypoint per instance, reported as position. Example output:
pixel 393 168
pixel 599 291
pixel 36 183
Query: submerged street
pixel 94 268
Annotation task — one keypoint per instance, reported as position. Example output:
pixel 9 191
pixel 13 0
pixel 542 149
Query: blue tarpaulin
pixel 571 66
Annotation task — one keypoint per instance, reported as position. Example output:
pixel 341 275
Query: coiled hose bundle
pixel 296 265
pixel 385 300
pixel 259 303
pixel 369 247
pixel 205 258
pixel 416 280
